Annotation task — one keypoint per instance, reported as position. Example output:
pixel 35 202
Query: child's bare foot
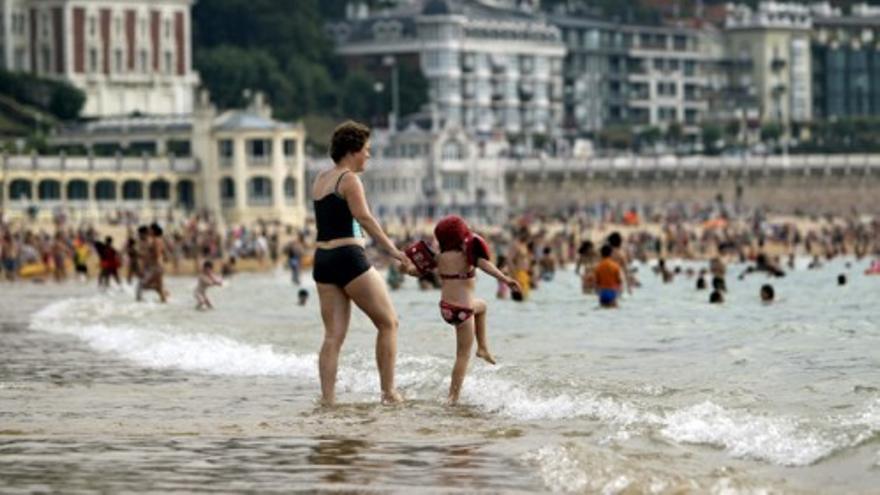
pixel 484 354
pixel 452 400
pixel 393 397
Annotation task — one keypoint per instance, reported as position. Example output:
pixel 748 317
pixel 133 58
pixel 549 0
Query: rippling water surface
pixel 666 395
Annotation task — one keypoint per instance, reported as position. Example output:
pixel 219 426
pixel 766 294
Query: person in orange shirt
pixel 609 278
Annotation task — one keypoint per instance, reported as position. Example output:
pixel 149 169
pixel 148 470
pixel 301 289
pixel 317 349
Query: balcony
pixel 777 64
pixel 259 160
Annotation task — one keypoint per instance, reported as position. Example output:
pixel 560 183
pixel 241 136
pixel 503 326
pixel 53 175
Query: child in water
pixel 461 252
pixel 207 278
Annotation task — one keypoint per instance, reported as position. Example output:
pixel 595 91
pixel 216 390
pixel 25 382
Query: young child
pixel 207 278
pixel 460 253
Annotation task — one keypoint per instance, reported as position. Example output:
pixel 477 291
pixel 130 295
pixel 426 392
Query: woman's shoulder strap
pixel 338 181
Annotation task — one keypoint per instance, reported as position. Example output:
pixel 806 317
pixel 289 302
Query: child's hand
pixel 513 284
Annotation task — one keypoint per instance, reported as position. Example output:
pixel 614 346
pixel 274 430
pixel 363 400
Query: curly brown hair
pixel 348 137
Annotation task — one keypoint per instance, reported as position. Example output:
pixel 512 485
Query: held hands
pixel 406 266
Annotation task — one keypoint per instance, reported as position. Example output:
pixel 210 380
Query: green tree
pixel 58 98
pixel 771 132
pixel 674 133
pixel 616 137
pixel 228 70
pixel 711 134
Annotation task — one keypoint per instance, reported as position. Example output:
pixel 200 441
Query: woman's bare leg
pixel 464 338
pixel 370 294
pixel 336 313
pixel 480 323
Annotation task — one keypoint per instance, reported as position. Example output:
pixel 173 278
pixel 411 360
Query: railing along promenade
pixel 130 164
pixel 700 164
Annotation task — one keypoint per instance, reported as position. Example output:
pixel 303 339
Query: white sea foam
pixel 162 348
pixel 559 470
pixel 776 439
pixel 120 329
pixel 501 396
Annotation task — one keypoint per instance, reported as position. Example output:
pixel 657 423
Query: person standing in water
pixel 520 264
pixel 461 253
pixel 341 270
pixel 609 278
pixel 152 257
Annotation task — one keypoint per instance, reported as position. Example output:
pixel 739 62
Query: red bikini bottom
pixel 454 314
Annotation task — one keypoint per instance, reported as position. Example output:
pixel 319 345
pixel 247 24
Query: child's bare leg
pixel 464 338
pixel 480 322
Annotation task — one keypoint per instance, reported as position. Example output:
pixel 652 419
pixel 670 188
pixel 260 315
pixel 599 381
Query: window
pixel 455 182
pixel 160 190
pixel 167 25
pixel 47 60
pixel 168 63
pixel 49 190
pixel 93 60
pixel 667 89
pixel 142 61
pixel 667 114
pixel 227 191
pixel 260 191
pixel 259 151
pixel 290 188
pixel 289 147
pixel 132 190
pixel 92 27
pixel 225 150
pixel 117 60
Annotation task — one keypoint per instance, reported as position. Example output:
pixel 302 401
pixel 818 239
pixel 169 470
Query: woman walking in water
pixel 341 270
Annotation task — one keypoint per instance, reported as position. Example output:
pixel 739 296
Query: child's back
pixel 457 277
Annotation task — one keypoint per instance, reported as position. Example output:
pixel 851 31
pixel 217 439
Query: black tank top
pixel 333 218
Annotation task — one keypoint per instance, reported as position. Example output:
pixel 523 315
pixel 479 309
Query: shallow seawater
pixel 665 395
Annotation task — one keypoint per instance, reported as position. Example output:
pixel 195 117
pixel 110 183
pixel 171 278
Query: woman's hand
pixel 409 268
pixel 399 256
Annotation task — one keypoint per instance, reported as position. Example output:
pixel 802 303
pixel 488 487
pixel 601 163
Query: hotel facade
pixel 127 56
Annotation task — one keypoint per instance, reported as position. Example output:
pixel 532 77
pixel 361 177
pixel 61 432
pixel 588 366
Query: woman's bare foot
pixel 452 400
pixel 484 354
pixel 393 397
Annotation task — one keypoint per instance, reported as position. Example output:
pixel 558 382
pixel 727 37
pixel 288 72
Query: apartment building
pixel 492 66
pixel 845 52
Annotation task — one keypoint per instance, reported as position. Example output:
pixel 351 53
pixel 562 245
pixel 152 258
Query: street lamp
pixel 391 61
pixel 378 87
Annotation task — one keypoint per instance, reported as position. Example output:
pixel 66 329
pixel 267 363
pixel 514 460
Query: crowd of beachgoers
pixel 529 247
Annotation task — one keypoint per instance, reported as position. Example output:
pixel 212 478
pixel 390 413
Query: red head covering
pixel 451 232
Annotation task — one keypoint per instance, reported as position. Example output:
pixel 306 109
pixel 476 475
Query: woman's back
pixel 333 217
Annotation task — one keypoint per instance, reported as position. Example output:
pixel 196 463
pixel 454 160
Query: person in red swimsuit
pixel 461 252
